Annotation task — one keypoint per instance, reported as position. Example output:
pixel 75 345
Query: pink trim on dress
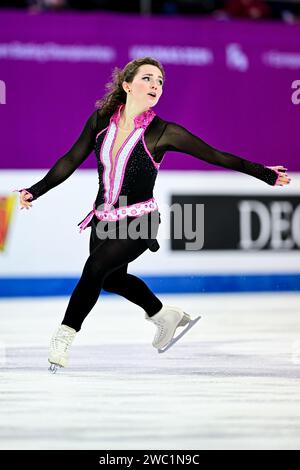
pixel 110 163
pixel 116 115
pixel 135 139
pixel 100 132
pixel 105 159
pixel 134 210
pixel 157 165
pixel 142 120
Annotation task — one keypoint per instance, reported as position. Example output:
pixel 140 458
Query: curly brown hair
pixel 116 94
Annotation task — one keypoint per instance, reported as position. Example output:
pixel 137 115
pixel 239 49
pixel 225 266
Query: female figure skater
pixel 130 141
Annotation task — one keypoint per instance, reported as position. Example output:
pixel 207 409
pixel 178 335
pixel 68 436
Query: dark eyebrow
pixel 151 74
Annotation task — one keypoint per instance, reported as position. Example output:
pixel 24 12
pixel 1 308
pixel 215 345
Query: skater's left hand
pixel 283 176
pixel 25 199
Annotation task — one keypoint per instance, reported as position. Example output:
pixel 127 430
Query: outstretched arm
pixel 179 139
pixel 65 165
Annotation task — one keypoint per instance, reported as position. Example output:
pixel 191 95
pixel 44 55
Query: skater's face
pixel 147 86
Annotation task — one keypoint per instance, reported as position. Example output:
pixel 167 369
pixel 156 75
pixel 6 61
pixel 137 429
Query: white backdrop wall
pixel 45 240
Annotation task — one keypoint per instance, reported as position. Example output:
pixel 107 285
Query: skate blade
pixel 53 368
pixel 174 340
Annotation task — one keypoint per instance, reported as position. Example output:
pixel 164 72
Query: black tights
pixel 106 268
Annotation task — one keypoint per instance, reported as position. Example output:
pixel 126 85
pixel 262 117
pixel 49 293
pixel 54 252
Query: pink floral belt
pixel 134 210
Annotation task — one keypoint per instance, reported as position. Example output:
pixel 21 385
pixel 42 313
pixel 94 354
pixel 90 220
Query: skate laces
pixel 62 340
pixel 161 328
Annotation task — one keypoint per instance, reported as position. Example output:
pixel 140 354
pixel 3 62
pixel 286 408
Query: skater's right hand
pixel 25 199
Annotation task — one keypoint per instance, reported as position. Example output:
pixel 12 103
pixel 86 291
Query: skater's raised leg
pixel 132 288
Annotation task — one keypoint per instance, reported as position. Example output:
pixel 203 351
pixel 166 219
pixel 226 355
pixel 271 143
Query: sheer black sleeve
pixel 179 139
pixel 67 164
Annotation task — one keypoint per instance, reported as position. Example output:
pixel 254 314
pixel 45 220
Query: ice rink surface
pixel 233 382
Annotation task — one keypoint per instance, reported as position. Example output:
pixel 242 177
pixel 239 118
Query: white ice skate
pixel 167 320
pixel 59 347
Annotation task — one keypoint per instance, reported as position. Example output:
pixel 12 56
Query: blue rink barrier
pixel 187 284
